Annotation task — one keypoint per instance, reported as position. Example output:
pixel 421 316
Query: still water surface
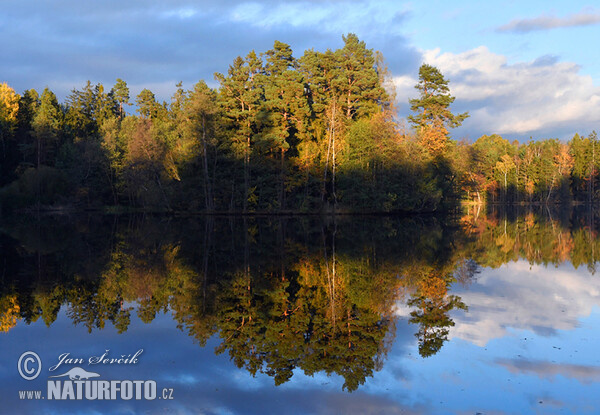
pixel 472 314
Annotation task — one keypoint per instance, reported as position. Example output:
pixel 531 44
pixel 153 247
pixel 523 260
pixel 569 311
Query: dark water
pixel 492 314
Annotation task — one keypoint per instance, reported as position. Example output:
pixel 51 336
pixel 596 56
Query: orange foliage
pixel 434 139
pixel 433 288
pixel 10 315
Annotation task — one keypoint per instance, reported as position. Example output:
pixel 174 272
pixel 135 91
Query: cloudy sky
pixel 521 68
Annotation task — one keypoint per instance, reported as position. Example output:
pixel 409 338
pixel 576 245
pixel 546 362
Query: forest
pixel 280 134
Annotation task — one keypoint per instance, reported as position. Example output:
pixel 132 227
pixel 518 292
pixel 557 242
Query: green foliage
pixel 147 105
pixel 313 134
pixel 47 125
pixel 120 92
pixel 433 116
pixel 546 171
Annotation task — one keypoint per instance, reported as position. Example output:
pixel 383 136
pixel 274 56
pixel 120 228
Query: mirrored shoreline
pixel 345 308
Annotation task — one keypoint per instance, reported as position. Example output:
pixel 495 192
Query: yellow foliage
pixel 505 242
pixel 563 246
pixel 9 314
pixel 9 103
pixel 529 220
pixel 434 139
pixel 563 160
pixel 530 187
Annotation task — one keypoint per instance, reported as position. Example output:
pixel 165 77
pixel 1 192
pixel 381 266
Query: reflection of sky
pixel 538 355
pixel 528 297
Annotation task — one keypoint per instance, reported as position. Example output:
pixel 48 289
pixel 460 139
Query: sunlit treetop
pixel 433 116
pixel 9 103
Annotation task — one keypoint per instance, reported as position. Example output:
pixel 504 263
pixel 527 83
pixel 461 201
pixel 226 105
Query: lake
pixel 492 313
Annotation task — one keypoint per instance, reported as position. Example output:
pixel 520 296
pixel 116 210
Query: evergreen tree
pixel 285 109
pixel 242 96
pixel 147 105
pixel 121 94
pixel 433 116
pixel 47 124
pixel 202 112
pixel 361 93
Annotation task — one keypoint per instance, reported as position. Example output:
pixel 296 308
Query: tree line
pixel 316 133
pixel 543 171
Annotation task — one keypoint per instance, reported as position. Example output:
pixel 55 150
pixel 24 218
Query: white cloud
pixel 546 22
pixel 544 96
pixel 549 370
pixel 338 17
pixel 525 297
pixel 182 13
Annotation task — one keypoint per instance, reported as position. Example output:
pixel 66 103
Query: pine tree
pixel 358 83
pixel 202 114
pixel 47 126
pixel 121 93
pixel 433 116
pixel 241 97
pixel 147 105
pixel 285 108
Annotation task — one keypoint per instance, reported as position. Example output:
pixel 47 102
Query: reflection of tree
pixel 9 313
pixel 432 315
pixel 282 295
pixel 302 317
pixel 278 302
pixel 94 309
pixel 540 237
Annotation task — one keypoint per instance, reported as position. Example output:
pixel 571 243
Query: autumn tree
pixel 9 108
pixel 504 166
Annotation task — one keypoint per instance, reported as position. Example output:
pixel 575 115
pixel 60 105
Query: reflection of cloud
pixel 546 22
pixel 547 370
pixel 542 96
pixel 523 296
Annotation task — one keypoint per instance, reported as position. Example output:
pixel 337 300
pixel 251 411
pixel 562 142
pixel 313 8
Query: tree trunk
pixel 282 181
pixel 207 186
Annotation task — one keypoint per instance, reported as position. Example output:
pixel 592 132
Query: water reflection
pixel 282 294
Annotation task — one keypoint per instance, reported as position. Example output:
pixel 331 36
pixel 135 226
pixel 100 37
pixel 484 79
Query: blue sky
pixel 521 68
